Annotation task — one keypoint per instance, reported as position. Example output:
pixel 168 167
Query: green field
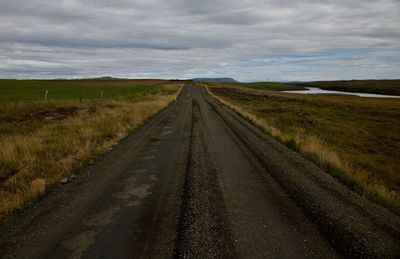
pixel 34 90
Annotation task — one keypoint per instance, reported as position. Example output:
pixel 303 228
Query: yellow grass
pixel 37 154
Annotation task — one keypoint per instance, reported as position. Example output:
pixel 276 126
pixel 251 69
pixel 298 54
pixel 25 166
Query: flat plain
pixel 179 169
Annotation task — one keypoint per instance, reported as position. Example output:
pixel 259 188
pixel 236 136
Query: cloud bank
pixel 247 39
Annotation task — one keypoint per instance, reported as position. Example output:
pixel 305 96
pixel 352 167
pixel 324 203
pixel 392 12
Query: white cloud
pixel 180 38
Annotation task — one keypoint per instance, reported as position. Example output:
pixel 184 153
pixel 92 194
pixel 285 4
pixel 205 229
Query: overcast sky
pixel 249 40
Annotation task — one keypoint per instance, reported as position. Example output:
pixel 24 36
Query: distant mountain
pixel 215 80
pixel 106 78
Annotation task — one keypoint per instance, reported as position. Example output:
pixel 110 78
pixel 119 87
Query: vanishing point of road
pixel 198 181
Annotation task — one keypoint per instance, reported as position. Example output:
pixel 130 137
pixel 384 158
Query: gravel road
pixel 197 181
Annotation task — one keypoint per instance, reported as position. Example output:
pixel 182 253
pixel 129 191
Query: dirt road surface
pixel 197 181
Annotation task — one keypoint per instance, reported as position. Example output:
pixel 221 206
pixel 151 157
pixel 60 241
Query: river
pixel 315 90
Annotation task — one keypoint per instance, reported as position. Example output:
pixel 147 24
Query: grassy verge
pixel 42 144
pixel 355 139
pixel 390 87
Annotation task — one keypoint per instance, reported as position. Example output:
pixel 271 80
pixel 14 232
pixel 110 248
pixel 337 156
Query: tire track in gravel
pixel 204 228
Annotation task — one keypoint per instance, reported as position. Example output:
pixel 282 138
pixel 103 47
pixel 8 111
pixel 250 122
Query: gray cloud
pixel 248 39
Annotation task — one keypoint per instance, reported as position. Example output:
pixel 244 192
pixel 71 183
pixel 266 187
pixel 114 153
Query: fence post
pixel 101 93
pixel 45 96
pixel 16 102
pixel 80 97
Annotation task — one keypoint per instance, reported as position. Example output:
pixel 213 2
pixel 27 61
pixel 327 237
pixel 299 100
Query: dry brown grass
pixel 352 152
pixel 39 145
